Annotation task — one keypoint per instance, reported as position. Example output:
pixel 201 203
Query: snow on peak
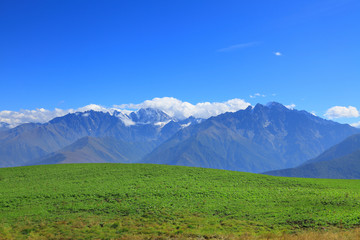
pixel 185 125
pixel 124 118
pixel 149 115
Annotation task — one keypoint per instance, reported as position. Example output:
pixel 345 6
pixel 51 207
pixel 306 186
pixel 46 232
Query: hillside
pixel 341 161
pixel 77 201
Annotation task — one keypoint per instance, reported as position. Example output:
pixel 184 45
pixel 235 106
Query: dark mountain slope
pixel 340 161
pixel 346 167
pixel 255 140
pixel 348 146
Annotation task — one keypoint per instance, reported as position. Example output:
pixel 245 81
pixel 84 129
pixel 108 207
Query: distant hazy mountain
pixel 144 129
pixel 4 126
pixel 95 150
pixel 254 140
pixel 340 161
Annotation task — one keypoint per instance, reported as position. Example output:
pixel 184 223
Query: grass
pixel 139 201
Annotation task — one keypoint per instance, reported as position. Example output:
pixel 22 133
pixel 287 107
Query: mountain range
pixel 33 142
pixel 256 139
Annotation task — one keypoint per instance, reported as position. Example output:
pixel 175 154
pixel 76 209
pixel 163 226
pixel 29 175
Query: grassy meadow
pixel 143 201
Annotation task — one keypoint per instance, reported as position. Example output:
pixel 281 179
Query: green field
pixel 112 201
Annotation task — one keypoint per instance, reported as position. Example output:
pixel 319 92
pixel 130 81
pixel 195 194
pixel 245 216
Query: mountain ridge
pixel 253 139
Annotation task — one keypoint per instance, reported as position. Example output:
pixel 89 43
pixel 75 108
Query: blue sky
pixel 70 53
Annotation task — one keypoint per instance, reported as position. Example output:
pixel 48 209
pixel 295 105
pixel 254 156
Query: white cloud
pixel 169 105
pixel 237 46
pixel 357 125
pixel 342 112
pixel 179 109
pixel 313 113
pixel 291 106
pixel 257 95
pixel 23 116
pixel 278 53
pixel 94 107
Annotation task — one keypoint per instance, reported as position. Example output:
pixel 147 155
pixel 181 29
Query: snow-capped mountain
pixel 257 139
pixel 150 116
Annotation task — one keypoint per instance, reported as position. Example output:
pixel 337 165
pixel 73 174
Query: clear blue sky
pixel 69 53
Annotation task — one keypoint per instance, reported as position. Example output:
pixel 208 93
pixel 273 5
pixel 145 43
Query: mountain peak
pixel 275 105
pixel 270 105
pixel 249 108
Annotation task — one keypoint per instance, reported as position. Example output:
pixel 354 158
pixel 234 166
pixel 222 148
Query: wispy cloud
pixel 238 46
pixel 278 54
pixel 342 112
pixel 257 95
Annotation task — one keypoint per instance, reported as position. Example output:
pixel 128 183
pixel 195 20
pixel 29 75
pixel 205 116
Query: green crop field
pixel 139 201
